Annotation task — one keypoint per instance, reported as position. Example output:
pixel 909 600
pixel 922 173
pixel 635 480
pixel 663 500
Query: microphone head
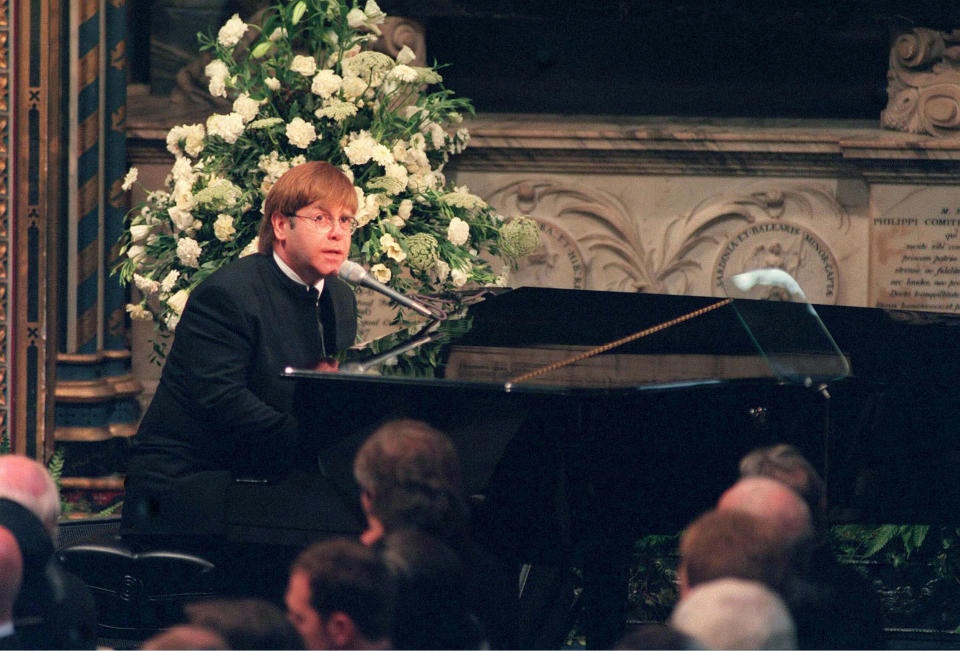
pixel 351 272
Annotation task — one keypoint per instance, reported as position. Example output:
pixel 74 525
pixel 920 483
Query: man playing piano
pixel 220 431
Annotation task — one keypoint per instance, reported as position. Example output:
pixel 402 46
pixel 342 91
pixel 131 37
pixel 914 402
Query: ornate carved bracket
pixel 923 83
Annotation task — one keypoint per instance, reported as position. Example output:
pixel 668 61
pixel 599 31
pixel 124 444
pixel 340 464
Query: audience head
pixel 431 610
pixel 735 614
pixel 245 623
pixel 341 596
pixel 773 501
pixel 28 483
pixel 785 463
pixel 734 544
pixel 409 477
pixel 11 573
pixel 187 636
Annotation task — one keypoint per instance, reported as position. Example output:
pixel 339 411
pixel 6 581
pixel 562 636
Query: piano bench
pixel 138 593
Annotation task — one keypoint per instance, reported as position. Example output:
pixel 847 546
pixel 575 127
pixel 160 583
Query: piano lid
pixel 536 339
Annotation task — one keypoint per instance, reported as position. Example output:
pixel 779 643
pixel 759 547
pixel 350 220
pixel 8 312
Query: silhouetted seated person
pixel 431 607
pixel 341 595
pixel 53 609
pixel 833 606
pixel 655 636
pixel 245 623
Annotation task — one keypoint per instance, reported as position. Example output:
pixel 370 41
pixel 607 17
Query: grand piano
pixel 571 461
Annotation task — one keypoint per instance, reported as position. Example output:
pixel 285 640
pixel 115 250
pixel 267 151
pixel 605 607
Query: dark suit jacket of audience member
pixel 54 609
pixel 222 409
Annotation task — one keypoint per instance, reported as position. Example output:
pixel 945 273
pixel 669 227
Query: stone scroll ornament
pixel 923 83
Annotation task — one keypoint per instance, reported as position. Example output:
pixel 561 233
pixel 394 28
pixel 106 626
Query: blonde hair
pixel 301 186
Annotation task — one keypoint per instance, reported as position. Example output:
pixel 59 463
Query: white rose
pixel 170 280
pixel 178 301
pixel 305 65
pixel 232 31
pixel 326 83
pixel 381 272
pixel 223 228
pixel 188 251
pixel 272 83
pixel 392 248
pixel 301 133
pixel 458 277
pixel 458 232
pixel 246 107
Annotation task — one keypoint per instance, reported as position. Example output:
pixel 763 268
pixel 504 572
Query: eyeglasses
pixel 324 221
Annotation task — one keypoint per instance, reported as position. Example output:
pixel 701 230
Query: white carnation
pixel 218 72
pixel 251 248
pixel 458 232
pixel 305 65
pixel 192 137
pixel 272 83
pixel 188 251
pixel 301 133
pixel 326 83
pixel 356 18
pixel 443 270
pixel 232 31
pixel 223 228
pixel 138 312
pixel 146 285
pixel 129 179
pixel 353 87
pixel 246 107
pixel 359 147
pixel 183 195
pixel 228 126
pixel 170 280
pixel 403 74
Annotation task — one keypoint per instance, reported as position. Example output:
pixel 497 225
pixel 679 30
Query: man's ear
pixel 280 225
pixel 341 631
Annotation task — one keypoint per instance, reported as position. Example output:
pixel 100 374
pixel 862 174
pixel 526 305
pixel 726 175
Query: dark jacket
pixel 222 410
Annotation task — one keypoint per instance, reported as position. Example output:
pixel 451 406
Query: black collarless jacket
pixel 221 405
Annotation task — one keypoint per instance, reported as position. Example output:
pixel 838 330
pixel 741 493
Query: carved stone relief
pixel 923 83
pixel 592 241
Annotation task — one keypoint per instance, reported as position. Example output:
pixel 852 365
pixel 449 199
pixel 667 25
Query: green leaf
pixel 881 536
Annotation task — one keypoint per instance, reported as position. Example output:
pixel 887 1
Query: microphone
pixel 357 275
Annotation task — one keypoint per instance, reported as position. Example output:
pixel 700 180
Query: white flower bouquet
pixel 305 88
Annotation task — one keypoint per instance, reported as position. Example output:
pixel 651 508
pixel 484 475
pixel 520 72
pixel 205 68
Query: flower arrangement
pixel 305 88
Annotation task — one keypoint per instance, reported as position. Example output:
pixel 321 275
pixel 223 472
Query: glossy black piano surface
pixel 646 436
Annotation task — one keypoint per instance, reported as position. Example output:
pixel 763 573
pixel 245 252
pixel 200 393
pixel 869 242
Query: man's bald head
pixel 28 483
pixel 773 501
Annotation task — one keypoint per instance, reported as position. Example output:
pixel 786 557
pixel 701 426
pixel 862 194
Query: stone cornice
pixel 650 145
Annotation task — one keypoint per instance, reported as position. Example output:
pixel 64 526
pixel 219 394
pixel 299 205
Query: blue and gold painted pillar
pixel 95 394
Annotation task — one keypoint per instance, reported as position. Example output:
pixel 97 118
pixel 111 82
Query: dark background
pixel 812 59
